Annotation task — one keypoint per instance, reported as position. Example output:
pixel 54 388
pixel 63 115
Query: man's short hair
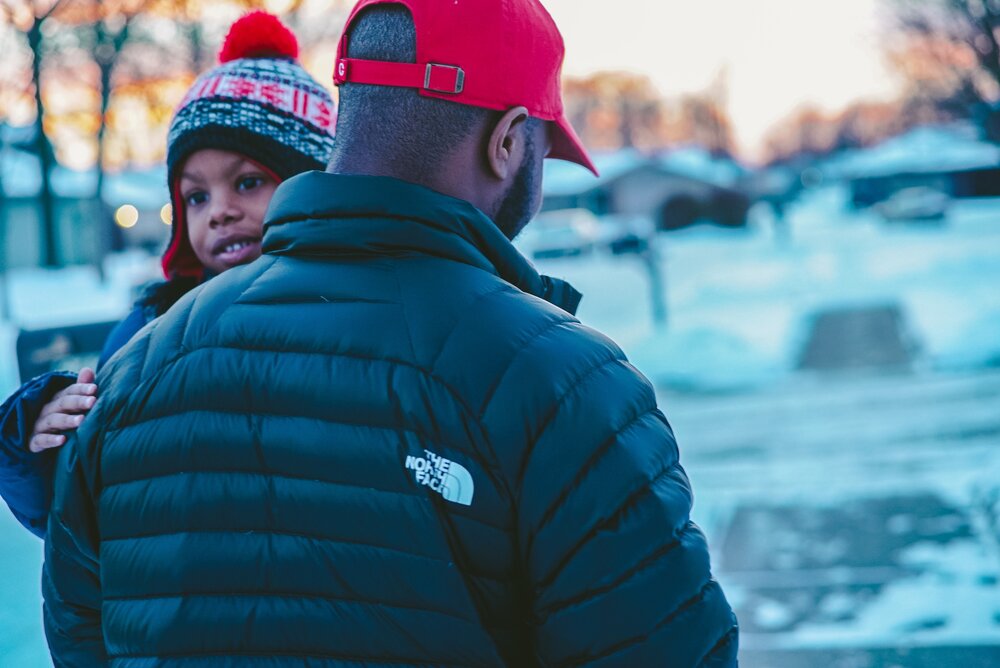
pixel 397 124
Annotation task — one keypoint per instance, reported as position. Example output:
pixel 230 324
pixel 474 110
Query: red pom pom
pixel 259 35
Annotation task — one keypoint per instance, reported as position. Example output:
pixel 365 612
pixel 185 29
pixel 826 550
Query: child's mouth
pixel 236 251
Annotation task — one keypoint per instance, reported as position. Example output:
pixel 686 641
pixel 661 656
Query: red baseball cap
pixel 495 54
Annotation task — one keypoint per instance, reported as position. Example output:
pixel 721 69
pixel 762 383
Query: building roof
pixel 694 163
pixel 699 164
pixel 923 150
pixel 21 177
pixel 566 178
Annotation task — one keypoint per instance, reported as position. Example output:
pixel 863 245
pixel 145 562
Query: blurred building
pixel 951 159
pixel 131 212
pixel 674 189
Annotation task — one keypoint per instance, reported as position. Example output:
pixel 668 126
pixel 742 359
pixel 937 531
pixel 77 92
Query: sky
pixel 775 55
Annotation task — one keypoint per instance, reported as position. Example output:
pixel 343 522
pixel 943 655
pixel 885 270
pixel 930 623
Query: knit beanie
pixel 259 103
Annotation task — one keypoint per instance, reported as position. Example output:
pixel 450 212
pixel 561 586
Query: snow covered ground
pixel 853 516
pixel 741 302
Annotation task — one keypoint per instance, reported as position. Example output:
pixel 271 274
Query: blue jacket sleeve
pixel 26 477
pixel 123 333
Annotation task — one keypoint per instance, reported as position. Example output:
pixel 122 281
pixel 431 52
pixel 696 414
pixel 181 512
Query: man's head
pixel 424 98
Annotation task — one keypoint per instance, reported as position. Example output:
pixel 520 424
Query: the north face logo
pixel 450 480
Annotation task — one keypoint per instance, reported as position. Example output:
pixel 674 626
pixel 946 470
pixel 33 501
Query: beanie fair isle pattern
pixel 267 109
pixel 275 99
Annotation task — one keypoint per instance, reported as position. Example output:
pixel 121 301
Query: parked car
pixel 918 203
pixel 561 233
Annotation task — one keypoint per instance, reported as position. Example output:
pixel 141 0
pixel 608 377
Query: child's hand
pixel 64 413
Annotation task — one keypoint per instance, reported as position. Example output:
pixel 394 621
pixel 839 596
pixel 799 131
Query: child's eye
pixel 249 183
pixel 195 198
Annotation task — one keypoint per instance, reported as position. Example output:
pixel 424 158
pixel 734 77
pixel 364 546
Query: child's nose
pixel 224 211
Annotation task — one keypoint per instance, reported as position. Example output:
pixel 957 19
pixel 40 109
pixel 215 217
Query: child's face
pixel 225 197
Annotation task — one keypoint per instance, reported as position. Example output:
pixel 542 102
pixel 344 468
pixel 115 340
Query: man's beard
pixel 519 204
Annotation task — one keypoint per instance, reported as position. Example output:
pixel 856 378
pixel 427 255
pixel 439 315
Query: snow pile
pixel 704 358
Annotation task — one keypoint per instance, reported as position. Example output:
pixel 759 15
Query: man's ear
pixel 506 140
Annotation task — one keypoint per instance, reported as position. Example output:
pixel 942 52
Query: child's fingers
pixel 40 442
pixel 86 389
pixel 56 422
pixel 68 403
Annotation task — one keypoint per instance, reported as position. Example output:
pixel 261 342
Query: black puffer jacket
pixel 377 446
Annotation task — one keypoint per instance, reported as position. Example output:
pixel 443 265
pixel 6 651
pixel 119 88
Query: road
pixel 855 520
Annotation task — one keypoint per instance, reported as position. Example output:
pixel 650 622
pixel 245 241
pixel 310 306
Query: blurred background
pixel 795 235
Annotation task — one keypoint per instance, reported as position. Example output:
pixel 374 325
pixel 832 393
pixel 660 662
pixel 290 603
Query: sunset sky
pixel 776 54
pixel 772 55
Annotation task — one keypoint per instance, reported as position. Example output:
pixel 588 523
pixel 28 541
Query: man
pixel 379 445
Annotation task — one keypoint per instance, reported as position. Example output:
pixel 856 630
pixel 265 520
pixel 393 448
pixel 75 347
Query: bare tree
pixel 301 16
pixel 107 27
pixel 951 50
pixel 30 16
pixel 10 93
pixel 189 17
pixel 615 109
pixel 112 31
pixel 703 120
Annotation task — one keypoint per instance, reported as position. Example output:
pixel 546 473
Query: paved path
pixel 855 520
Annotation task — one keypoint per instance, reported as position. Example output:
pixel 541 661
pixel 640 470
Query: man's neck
pixel 367 168
pixel 449 178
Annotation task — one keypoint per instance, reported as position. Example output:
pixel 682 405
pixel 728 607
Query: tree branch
pixel 990 60
pixel 52 10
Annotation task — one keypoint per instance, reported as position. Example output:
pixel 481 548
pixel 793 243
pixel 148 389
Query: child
pixel 245 126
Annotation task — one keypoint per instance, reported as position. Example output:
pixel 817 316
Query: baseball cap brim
pixel 566 145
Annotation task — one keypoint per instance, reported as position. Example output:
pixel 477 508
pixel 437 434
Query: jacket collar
pixel 317 213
